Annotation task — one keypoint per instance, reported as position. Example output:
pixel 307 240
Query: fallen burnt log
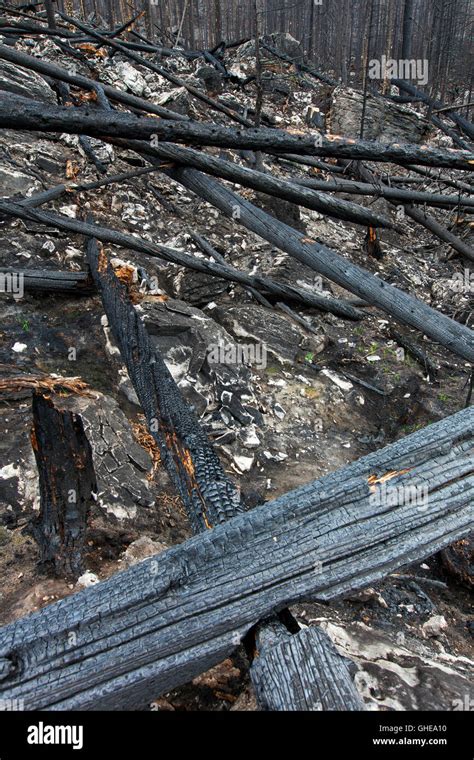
pixel 226 272
pixel 208 495
pixel 380 190
pixel 157 625
pixel 431 224
pixel 322 682
pixel 463 123
pixel 262 182
pixel 38 199
pixel 47 281
pixel 21 113
pixel 67 486
pixel 78 80
pixel 465 186
pixel 402 306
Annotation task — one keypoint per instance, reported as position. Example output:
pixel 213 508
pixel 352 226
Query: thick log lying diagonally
pixel 17 112
pixel 374 290
pixel 225 271
pixel 207 493
pixel 157 625
pixel 265 183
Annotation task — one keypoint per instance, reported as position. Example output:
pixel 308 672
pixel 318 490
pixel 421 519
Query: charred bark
pixel 50 281
pixel 303 671
pixel 157 625
pixel 67 485
pixel 207 493
pixel 380 190
pixel 17 112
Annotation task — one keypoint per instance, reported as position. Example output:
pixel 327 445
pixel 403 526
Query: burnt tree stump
pixel 67 483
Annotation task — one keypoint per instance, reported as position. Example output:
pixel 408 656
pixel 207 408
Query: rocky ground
pixel 315 398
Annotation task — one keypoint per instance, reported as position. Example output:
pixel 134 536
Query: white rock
pixel 435 626
pixel 19 347
pixel 87 579
pixel 344 385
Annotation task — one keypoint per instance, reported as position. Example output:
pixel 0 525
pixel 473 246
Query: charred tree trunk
pixel 157 625
pixel 374 290
pixel 207 493
pixel 17 112
pixel 50 14
pixel 303 671
pixel 67 484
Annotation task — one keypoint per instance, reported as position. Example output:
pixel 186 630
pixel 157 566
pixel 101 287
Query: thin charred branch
pixel 46 196
pixel 437 229
pixel 17 112
pixel 300 66
pixel 303 671
pixel 416 352
pixel 170 617
pixel 207 248
pixel 380 190
pixel 420 217
pixel 207 493
pixel 402 306
pixel 67 486
pixel 226 272
pixel 464 124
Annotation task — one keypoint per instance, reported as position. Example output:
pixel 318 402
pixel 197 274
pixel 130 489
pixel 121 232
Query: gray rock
pixel 282 41
pixel 384 121
pixel 211 78
pixel 25 83
pixel 256 324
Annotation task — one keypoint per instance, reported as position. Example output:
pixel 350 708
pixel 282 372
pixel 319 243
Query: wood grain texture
pixel 157 625
pixel 302 672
